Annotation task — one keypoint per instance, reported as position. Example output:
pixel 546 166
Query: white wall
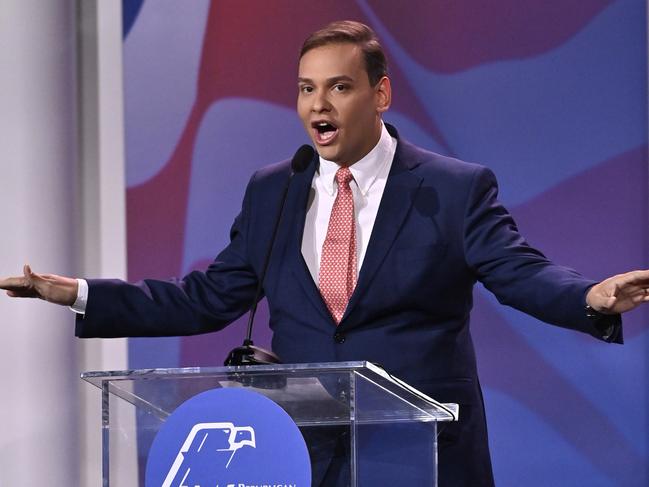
pixel 39 408
pixel 63 212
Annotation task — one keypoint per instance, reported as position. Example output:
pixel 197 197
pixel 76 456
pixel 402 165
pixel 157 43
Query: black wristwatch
pixel 607 325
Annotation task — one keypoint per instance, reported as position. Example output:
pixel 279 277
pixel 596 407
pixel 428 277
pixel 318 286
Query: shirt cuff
pixel 81 302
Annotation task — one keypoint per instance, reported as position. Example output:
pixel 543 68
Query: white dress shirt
pixel 370 175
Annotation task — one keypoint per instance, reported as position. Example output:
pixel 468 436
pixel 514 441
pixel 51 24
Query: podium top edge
pixel 372 372
pixel 97 375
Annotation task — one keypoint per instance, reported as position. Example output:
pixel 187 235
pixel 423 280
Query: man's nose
pixel 321 102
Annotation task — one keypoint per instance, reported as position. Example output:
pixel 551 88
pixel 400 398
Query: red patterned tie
pixel 338 261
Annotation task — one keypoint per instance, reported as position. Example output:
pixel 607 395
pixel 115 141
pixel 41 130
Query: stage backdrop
pixel 552 95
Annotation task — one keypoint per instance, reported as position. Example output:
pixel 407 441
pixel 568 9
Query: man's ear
pixel 383 92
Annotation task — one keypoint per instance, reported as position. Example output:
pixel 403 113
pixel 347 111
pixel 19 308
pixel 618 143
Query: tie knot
pixel 344 176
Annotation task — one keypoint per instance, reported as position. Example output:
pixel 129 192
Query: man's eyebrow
pixel 333 79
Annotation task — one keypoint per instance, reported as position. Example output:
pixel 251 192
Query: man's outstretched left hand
pixel 620 293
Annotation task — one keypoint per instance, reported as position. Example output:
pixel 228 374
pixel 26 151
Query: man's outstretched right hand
pixel 49 287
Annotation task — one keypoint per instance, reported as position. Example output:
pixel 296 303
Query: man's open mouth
pixel 324 132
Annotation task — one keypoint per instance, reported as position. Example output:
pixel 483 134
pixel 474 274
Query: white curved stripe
pixel 237 136
pixel 161 62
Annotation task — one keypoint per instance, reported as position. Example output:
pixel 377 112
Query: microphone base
pixel 251 355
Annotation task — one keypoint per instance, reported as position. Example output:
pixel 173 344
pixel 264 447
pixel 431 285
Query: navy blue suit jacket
pixel 439 229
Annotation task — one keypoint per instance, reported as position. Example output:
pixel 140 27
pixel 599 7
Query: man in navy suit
pixel 427 227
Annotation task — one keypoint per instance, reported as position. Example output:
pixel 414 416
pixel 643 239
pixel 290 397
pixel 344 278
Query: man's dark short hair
pixel 352 32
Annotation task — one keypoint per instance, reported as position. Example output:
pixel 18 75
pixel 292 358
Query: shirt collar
pixel 365 170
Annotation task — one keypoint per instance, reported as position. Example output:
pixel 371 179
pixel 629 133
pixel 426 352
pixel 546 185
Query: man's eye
pixel 306 89
pixel 340 87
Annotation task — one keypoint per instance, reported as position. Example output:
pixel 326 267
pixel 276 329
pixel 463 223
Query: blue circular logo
pixel 228 438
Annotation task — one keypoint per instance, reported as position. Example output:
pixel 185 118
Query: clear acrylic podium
pixel 362 426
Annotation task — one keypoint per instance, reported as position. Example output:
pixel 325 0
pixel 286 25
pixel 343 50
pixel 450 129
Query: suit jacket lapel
pixel 301 186
pixel 397 200
pixel 398 197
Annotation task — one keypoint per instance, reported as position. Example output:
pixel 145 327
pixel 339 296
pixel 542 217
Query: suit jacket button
pixel 339 337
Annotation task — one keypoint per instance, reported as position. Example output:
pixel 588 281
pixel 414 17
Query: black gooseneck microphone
pixel 248 353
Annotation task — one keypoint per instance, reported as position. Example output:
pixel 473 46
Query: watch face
pixel 592 314
pixel 607 326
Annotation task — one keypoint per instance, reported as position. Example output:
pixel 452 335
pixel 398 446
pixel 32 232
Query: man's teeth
pixel 325 132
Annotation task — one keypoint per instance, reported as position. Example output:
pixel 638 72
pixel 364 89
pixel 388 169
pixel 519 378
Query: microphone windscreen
pixel 302 158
